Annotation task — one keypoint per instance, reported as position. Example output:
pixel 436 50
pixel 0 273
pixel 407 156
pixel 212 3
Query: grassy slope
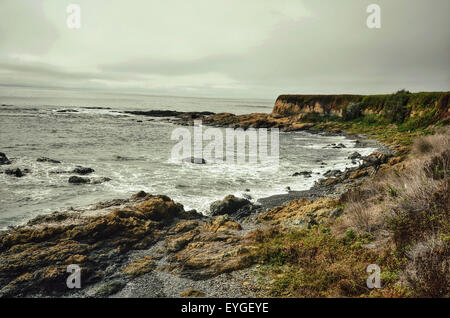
pixel 398 220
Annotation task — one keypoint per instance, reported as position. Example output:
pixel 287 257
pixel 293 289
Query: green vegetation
pixel 393 119
pixel 315 263
pixel 399 219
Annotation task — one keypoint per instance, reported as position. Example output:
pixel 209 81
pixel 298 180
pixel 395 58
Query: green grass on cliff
pixel 394 119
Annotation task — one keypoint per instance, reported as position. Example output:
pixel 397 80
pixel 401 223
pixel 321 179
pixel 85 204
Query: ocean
pixel 135 153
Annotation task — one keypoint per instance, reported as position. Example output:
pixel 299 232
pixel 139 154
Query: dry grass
pixel 411 203
pixel 428 145
pixel 428 269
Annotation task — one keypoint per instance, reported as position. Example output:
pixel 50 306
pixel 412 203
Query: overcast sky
pixel 226 48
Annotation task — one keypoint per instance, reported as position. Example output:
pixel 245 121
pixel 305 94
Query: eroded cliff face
pixel 287 105
pixel 398 107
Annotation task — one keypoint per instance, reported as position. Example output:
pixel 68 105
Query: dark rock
pixel 67 111
pixel 332 173
pixel 139 195
pixel 4 160
pixel 246 210
pixel 355 155
pixel 229 205
pixel 59 172
pixel 14 172
pixel 154 113
pixel 199 161
pixel 45 159
pixel 82 170
pixel 375 159
pixel 96 107
pixel 306 174
pixel 339 146
pixel 78 180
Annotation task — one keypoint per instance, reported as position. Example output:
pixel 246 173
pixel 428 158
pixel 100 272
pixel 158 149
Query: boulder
pixel 199 161
pixel 332 173
pixel 306 174
pixel 78 180
pixel 375 159
pixel 15 172
pixel 355 155
pixel 229 205
pixel 338 146
pixel 82 170
pixel 4 160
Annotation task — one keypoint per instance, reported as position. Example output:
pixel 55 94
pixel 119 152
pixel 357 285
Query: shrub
pixel 428 269
pixel 352 111
pixel 422 145
pixel 395 109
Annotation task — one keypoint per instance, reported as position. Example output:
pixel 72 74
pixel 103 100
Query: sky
pixel 226 48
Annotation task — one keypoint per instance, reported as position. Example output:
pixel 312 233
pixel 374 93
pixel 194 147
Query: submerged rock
pixel 199 161
pixel 339 146
pixel 229 205
pixel 15 172
pixel 45 159
pixel 78 180
pixel 67 111
pixel 4 160
pixel 83 170
pixel 306 174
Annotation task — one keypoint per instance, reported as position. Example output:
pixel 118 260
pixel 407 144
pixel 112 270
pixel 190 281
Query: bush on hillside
pixel 395 109
pixel 352 111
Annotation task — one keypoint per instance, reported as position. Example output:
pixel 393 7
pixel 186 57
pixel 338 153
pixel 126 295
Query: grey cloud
pixel 329 51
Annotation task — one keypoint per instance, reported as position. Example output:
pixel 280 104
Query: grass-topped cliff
pixel 411 110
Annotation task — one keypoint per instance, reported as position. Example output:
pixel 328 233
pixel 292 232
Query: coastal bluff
pixel 401 106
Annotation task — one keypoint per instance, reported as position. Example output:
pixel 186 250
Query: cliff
pixel 399 107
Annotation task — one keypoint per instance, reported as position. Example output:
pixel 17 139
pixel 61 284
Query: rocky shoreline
pixel 149 246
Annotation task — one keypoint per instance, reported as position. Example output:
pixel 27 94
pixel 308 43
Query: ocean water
pixel 135 155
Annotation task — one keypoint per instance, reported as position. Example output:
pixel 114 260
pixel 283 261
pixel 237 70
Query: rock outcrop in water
pixel 17 172
pixel 83 170
pixel 4 160
pixel 78 180
pixel 199 161
pixel 45 159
